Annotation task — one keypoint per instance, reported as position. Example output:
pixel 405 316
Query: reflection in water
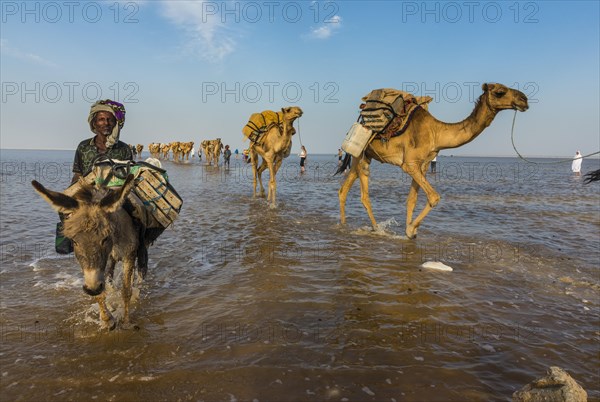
pixel 244 302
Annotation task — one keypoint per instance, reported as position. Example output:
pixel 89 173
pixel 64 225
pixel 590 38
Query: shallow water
pixel 248 302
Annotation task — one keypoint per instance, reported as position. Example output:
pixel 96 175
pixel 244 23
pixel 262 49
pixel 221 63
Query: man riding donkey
pixel 113 210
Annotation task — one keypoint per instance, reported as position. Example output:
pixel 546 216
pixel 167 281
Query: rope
pixel 512 139
pixel 299 138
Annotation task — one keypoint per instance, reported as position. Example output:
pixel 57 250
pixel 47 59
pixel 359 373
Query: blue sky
pixel 190 71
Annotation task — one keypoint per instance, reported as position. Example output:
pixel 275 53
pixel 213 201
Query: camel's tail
pixel 592 176
pixel 344 165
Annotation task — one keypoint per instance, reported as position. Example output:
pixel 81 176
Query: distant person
pixel 227 156
pixel 576 165
pixel 236 152
pixel 434 165
pixel 340 155
pixel 193 152
pixel 303 155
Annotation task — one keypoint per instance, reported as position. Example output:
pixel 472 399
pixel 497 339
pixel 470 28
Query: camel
pixel 177 150
pixel 164 150
pixel 207 148
pixel 414 149
pixel 154 149
pixel 274 144
pixel 102 233
pixel 186 149
pixel 138 149
pixel 217 145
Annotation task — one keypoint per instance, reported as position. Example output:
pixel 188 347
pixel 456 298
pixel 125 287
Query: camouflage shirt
pixel 87 151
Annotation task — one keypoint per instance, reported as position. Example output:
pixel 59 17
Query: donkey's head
pixel 91 223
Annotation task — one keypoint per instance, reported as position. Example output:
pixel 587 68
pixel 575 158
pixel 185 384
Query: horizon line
pixel 335 153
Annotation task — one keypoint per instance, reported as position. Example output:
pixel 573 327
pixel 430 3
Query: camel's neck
pixel 452 135
pixel 288 126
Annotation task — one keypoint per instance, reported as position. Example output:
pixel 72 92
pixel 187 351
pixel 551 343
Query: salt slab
pixel 436 265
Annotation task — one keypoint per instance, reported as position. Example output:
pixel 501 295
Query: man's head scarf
pixel 116 109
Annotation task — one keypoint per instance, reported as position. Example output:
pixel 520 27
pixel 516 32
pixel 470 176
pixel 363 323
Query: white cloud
pixel 25 56
pixel 327 29
pixel 208 35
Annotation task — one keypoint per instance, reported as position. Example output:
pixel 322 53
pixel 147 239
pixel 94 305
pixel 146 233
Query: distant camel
pixel 207 148
pixel 138 149
pixel 217 145
pixel 273 142
pixel 154 149
pixel 414 149
pixel 186 149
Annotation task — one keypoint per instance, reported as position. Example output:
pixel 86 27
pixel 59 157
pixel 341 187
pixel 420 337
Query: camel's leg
pixel 411 201
pixel 346 186
pixel 433 198
pixel 255 176
pixel 272 182
pixel 107 319
pixel 128 268
pixel 363 176
pixel 261 169
pixel 276 165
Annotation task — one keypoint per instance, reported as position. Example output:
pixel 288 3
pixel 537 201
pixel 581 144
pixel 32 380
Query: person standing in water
pixel 303 155
pixel 226 156
pixel 576 165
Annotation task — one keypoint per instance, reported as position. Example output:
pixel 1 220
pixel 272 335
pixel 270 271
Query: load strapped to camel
pixel 385 113
pixel 155 202
pixel 262 122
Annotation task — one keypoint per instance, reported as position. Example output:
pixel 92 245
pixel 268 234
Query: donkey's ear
pixel 59 201
pixel 115 199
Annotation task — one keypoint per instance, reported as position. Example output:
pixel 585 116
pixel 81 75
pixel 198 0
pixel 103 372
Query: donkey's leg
pixel 110 268
pixel 346 186
pixel 107 319
pixel 128 268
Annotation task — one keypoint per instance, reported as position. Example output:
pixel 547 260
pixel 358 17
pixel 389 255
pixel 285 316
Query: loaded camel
pixel 103 233
pixel 186 149
pixel 207 149
pixel 414 149
pixel 216 149
pixel 270 135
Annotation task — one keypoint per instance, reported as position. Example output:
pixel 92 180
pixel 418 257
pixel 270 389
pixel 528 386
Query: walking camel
pixel 414 149
pixel 270 135
pixel 216 149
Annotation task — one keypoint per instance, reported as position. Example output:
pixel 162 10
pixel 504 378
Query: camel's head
pixel 291 113
pixel 500 97
pixel 90 225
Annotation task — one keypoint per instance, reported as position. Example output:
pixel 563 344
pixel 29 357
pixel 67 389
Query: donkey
pixel 102 233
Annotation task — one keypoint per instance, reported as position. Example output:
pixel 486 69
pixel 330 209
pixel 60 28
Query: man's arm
pixel 76 166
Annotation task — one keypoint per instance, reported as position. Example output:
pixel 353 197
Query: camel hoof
pixel 411 232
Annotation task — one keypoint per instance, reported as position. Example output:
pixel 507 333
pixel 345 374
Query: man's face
pixel 104 122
